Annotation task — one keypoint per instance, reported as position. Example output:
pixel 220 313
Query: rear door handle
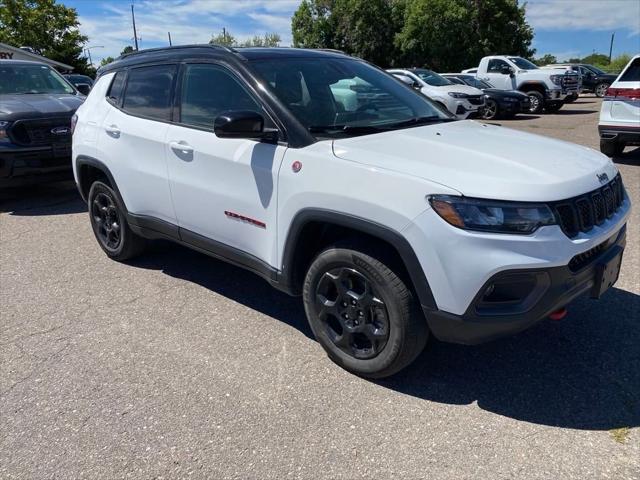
pixel 182 147
pixel 112 131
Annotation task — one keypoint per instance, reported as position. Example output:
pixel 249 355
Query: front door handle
pixel 113 131
pixel 182 147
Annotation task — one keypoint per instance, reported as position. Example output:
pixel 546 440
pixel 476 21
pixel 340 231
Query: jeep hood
pixel 23 106
pixel 483 160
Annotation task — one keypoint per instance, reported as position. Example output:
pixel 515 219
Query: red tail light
pixel 74 120
pixel 630 93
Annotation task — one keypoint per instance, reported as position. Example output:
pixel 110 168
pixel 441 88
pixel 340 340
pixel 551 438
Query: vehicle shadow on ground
pixel 233 282
pixel 629 157
pixel 582 372
pixel 47 199
pixel 520 116
pixel 567 111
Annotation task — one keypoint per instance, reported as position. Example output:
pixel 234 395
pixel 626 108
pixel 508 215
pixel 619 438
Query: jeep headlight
pixel 4 136
pixel 491 215
pixel 557 79
pixel 458 94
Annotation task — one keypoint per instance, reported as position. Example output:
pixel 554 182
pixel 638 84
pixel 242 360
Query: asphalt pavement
pixel 176 365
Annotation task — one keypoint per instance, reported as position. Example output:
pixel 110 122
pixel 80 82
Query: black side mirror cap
pixel 243 124
pixel 83 88
pixel 506 70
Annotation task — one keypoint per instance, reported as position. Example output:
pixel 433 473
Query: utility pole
pixel 169 33
pixel 88 50
pixel 224 35
pixel 135 34
pixel 611 46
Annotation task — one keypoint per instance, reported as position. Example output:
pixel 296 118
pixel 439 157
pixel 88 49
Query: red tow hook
pixel 558 314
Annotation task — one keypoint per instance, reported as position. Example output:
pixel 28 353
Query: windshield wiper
pixel 354 129
pixel 419 121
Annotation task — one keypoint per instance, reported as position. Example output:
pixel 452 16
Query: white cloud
pixel 189 21
pixel 584 14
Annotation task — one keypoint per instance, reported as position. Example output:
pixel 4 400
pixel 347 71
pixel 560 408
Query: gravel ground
pixel 177 365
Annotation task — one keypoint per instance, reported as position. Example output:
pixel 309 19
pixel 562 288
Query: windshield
pixel 331 96
pixel 595 70
pixel 523 64
pixel 25 79
pixel 432 78
pixel 476 82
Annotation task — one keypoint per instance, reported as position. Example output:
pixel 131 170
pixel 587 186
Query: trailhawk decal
pixel 242 218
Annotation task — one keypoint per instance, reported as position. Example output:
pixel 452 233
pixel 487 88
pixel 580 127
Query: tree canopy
pixel 226 39
pixel 442 34
pixel 49 28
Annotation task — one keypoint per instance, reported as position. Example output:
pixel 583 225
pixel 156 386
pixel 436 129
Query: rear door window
pixel 149 91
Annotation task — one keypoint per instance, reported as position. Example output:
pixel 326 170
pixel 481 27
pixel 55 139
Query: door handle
pixel 182 147
pixel 112 131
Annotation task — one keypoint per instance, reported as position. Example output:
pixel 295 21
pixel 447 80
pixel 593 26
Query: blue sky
pixel 564 28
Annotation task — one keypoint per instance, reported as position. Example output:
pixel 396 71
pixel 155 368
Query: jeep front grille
pixel 580 214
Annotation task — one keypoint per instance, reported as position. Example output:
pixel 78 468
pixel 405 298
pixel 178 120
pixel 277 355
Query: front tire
pixel 490 110
pixel 536 100
pixel 362 312
pixel 110 226
pixel 601 89
pixel 611 148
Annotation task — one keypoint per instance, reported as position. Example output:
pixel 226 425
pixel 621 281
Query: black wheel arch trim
pixel 82 160
pixel 389 235
pixel 532 83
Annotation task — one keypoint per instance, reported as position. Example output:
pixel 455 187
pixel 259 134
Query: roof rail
pixel 177 47
pixel 334 50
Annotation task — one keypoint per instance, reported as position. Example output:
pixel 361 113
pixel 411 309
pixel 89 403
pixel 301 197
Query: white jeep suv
pixel 393 220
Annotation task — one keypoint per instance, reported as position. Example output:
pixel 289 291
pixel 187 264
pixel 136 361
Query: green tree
pixel 596 59
pixel 49 28
pixel 127 49
pixel 225 39
pixel 449 35
pixel 363 28
pixel 106 61
pixel 618 63
pixel 267 40
pixel 545 60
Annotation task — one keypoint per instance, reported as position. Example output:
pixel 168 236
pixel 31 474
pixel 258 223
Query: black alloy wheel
pixel 106 220
pixel 109 224
pixel 354 316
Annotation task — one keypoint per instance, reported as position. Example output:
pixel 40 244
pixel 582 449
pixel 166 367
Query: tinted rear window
pixel 632 74
pixel 148 91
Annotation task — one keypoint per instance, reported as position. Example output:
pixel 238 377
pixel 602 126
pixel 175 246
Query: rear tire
pixel 110 226
pixel 361 311
pixel 537 101
pixel 611 148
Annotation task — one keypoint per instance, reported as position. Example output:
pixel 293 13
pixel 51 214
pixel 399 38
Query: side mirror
pixel 83 88
pixel 416 85
pixel 243 124
pixel 506 70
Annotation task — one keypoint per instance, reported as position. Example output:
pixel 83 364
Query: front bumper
pixel 514 107
pixel 460 264
pixel 549 289
pixel 28 165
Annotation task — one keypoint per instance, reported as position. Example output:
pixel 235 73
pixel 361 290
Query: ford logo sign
pixel 603 177
pixel 61 131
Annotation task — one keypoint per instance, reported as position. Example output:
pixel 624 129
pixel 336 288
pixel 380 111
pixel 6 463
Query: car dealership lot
pixel 177 364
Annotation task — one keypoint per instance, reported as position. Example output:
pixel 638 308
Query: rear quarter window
pixel 148 91
pixel 632 73
pixel 114 94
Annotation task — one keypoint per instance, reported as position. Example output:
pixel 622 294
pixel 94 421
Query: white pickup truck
pixel 547 89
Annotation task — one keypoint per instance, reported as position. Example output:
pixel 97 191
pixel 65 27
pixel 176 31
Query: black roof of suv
pixel 240 54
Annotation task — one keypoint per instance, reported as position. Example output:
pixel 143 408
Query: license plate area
pixel 607 272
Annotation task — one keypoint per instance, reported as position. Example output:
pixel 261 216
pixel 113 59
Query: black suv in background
pixel 593 79
pixel 36 106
